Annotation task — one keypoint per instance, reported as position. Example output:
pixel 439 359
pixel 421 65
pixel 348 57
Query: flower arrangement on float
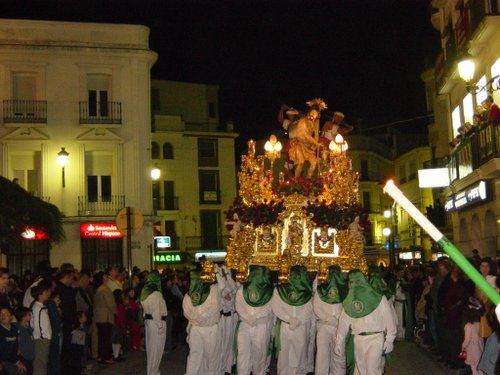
pixel 304 186
pixel 335 216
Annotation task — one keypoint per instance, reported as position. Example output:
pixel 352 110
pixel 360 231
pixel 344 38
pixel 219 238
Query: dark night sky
pixel 362 57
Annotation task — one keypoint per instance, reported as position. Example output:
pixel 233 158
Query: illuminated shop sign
pixel 168 258
pixel 163 242
pixel 474 194
pixel 33 234
pixel 99 230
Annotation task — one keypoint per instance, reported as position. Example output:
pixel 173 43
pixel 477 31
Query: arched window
pixel 155 150
pixel 168 151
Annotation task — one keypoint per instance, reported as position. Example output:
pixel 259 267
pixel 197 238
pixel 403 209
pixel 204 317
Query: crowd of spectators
pixel 454 318
pixel 484 114
pixel 55 320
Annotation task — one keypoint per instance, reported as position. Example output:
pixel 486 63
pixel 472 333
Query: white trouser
pixel 253 345
pixel 292 359
pixel 368 354
pixel 156 334
pixel 204 346
pixel 399 309
pixel 327 362
pixel 311 346
pixel 227 326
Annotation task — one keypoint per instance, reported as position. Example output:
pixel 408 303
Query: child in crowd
pixel 10 361
pixel 132 319
pixel 79 343
pixel 42 330
pixel 473 344
pixel 26 343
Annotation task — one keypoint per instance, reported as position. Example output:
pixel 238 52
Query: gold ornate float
pixel 280 219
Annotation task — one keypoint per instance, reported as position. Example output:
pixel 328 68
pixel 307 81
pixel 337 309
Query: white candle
pixel 413 211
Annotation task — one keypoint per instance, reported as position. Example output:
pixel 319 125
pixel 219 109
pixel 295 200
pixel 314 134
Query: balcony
pixel 474 151
pixel 101 205
pixel 95 113
pixel 27 112
pixel 206 242
pixel 167 203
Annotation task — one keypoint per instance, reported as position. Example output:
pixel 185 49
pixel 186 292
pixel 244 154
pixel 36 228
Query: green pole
pixel 445 244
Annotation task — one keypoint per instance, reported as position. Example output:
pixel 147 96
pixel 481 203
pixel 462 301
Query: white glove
pixel 388 347
pixel 294 323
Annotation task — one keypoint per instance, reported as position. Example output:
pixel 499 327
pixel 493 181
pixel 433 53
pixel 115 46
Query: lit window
pixel 495 71
pixel 468 108
pixel 482 94
pixel 456 122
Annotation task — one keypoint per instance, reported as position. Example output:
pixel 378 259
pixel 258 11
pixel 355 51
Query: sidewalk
pixel 407 359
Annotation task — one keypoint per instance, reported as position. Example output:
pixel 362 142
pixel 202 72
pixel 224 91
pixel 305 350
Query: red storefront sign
pixel 99 230
pixel 34 234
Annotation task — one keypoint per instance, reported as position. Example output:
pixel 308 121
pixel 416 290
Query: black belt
pixel 229 313
pixel 150 317
pixel 369 333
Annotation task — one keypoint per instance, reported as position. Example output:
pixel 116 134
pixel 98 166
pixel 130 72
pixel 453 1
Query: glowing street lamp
pixel 155 173
pixel 467 69
pixel 62 160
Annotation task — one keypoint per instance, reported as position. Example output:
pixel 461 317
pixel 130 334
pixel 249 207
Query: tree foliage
pixel 19 209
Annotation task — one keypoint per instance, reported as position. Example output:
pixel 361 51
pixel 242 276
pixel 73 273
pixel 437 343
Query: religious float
pixel 298 204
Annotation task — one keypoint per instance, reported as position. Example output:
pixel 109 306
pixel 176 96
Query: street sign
pixel 136 220
pixel 163 242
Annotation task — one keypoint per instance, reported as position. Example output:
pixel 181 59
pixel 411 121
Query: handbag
pixel 462 354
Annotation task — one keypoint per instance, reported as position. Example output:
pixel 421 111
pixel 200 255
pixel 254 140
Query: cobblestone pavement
pixel 408 359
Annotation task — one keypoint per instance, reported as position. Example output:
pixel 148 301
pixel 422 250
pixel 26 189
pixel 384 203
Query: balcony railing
pixel 101 113
pixel 100 205
pixel 474 150
pixel 166 203
pixel 206 242
pixel 25 111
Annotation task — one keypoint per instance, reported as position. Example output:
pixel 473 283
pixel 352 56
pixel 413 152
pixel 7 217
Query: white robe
pixel 203 334
pixel 369 349
pixel 227 324
pixel 399 302
pixel 254 336
pixel 294 335
pixel 327 362
pixel 156 330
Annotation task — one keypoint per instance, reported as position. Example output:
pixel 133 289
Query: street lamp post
pixel 466 70
pixel 390 234
pixel 62 159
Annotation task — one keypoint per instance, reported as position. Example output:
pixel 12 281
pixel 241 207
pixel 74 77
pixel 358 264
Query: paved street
pixel 408 358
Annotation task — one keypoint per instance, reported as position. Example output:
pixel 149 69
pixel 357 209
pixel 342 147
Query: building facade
pixel 196 157
pixel 471 155
pixel 377 161
pixel 83 89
